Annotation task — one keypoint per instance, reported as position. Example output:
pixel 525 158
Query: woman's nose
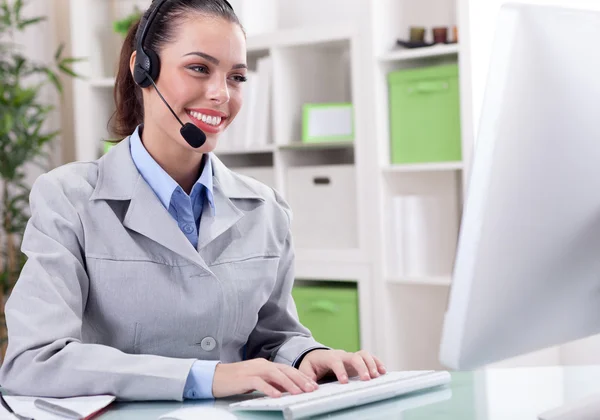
pixel 218 91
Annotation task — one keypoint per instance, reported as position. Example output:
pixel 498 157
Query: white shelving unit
pixel 340 54
pixel 418 53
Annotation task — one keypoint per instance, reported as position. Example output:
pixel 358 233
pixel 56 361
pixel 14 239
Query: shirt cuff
pixel 200 379
pixel 300 357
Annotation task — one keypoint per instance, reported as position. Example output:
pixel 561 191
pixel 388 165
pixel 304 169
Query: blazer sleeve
pixel 279 336
pixel 45 355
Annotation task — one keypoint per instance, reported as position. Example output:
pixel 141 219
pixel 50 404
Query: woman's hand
pixel 318 363
pixel 259 375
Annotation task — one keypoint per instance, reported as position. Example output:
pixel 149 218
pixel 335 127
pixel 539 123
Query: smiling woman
pixel 198 72
pixel 156 272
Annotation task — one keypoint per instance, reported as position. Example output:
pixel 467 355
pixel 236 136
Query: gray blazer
pixel 115 300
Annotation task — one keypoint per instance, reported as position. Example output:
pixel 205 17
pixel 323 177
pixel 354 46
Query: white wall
pixel 479 26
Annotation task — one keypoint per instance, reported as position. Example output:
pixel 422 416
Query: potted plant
pixel 23 137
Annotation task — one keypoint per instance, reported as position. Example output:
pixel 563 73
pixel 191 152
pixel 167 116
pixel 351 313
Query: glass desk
pixel 492 394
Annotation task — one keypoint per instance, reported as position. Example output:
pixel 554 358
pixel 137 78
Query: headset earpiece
pixel 146 60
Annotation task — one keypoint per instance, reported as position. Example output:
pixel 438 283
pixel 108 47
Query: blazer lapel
pixel 119 179
pixel 147 216
pixel 227 189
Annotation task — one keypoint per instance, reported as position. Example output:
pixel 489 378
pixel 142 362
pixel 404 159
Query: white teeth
pixel 206 118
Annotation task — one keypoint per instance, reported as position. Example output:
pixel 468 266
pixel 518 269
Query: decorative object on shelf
pixel 23 137
pixel 440 35
pixel 424 114
pixel 417 34
pixel 327 122
pixel 417 39
pixel 122 26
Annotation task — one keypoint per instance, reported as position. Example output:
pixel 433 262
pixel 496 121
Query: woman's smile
pixel 208 120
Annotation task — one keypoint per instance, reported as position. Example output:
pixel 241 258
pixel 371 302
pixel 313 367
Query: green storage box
pixel 425 115
pixel 330 312
pixel 108 145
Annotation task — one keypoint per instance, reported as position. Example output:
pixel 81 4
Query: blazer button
pixel 208 344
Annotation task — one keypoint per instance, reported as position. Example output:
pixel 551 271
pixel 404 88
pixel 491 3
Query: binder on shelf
pixel 251 127
pixel 425 227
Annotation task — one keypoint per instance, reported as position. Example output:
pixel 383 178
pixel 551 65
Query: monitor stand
pixel 583 409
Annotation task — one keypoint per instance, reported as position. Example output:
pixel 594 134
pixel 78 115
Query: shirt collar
pixel 159 180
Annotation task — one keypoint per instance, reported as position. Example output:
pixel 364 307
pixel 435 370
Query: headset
pixel 147 69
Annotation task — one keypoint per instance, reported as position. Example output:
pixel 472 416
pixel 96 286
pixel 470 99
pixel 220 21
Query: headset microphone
pixel 192 134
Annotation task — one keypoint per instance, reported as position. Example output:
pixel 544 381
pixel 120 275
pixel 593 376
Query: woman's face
pixel 201 76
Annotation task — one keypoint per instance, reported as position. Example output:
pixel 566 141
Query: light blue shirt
pixel 186 210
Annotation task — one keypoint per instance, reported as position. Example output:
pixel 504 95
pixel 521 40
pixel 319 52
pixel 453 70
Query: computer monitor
pixel 527 267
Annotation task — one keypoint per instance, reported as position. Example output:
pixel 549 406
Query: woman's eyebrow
pixel 214 60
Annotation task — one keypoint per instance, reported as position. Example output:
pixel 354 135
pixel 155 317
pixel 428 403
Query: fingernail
pixel 375 372
pixel 344 378
pixel 383 369
pixel 308 386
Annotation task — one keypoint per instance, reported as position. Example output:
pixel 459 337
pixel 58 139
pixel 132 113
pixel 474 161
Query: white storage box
pixel 264 174
pixel 323 200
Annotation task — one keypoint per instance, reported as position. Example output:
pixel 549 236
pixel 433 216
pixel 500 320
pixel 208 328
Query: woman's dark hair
pixel 127 94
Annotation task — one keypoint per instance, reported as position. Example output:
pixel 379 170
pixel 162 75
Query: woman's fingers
pixel 358 364
pixel 380 365
pixel 299 378
pixel 371 364
pixel 338 368
pixel 262 386
pixel 276 377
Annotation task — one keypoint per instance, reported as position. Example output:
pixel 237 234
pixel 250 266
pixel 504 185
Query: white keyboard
pixel 335 396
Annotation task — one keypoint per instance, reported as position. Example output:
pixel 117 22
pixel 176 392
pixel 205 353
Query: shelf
pixel 338 265
pixel 421 281
pixel 106 82
pixel 298 37
pixel 317 146
pixel 294 146
pixel 416 53
pixel 268 148
pixel 334 256
pixel 425 167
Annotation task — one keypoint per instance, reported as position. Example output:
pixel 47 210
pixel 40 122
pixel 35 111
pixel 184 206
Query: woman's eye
pixel 239 78
pixel 199 69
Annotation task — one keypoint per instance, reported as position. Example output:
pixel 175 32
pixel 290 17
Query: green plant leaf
pixel 7 122
pixel 17 8
pixel 27 22
pixel 67 70
pixel 6 14
pixel 59 51
pixel 54 80
pixel 69 60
